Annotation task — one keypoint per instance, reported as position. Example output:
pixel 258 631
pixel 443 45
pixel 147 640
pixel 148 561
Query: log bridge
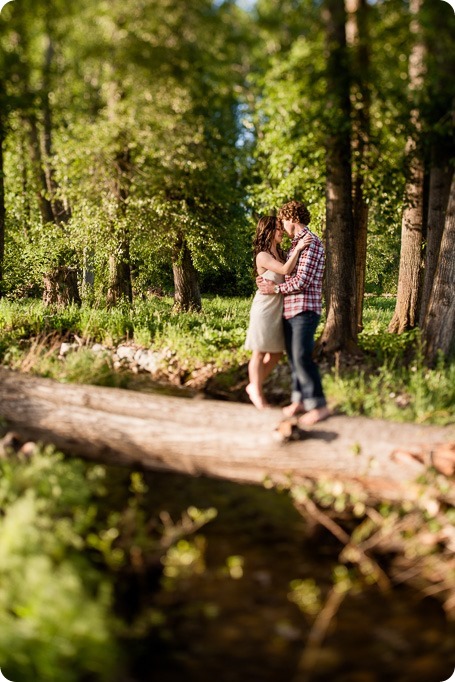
pixel 218 439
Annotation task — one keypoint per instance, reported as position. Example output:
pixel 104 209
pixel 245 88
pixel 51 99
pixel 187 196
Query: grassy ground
pixel 390 381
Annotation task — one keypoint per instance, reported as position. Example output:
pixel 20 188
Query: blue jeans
pixel 299 334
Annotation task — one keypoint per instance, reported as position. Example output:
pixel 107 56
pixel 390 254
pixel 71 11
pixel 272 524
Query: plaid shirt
pixel 302 289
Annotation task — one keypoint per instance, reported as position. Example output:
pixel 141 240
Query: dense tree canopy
pixel 140 140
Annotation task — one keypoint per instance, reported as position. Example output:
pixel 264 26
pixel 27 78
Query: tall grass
pixel 221 325
pixel 392 380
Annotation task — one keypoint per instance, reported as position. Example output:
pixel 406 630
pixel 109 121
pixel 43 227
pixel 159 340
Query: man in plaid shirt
pixel 302 291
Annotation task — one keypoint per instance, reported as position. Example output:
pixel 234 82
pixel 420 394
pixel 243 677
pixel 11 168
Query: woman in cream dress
pixel 265 332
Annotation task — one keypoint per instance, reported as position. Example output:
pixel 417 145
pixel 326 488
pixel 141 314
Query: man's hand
pixel 265 286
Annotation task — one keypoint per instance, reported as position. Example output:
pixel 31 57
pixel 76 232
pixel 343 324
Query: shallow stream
pixel 225 611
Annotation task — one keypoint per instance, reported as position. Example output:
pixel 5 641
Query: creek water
pixel 225 612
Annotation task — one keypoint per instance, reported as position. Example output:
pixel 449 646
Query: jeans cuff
pixel 296 397
pixel 313 403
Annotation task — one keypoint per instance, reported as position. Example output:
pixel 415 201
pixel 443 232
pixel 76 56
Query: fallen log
pixel 213 438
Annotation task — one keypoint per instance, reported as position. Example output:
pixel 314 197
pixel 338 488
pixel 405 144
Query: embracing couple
pixel 286 311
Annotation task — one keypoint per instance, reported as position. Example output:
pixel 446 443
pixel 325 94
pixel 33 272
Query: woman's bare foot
pixel 314 416
pixel 256 398
pixel 293 409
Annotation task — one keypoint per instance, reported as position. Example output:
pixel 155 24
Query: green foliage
pixel 289 106
pixel 144 133
pixel 54 605
pixel 68 530
pixel 307 595
pixel 393 381
pixel 185 120
pixel 415 527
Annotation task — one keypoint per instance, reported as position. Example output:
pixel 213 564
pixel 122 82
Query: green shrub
pixel 55 621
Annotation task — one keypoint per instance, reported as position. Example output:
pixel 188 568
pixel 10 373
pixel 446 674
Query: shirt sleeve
pixel 307 267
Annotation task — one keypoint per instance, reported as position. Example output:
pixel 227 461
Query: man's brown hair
pixel 295 211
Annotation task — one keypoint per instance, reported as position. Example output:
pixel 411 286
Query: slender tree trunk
pixel 44 204
pixel 60 283
pixel 120 285
pixel 27 210
pixel 187 294
pixel 439 325
pixel 409 277
pixel 340 331
pixel 440 179
pixel 88 272
pixel 30 122
pixel 60 214
pixel 357 36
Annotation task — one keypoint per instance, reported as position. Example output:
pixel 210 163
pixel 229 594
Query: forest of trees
pixel 139 142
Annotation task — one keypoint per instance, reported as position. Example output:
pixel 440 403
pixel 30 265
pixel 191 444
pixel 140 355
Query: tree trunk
pixel 59 212
pixel 213 438
pixel 409 276
pixel 440 178
pixel 26 193
pixel 29 117
pixel 340 331
pixel 88 273
pixel 40 145
pixel 120 287
pixel 358 38
pixel 439 325
pixel 44 204
pixel 120 284
pixel 440 125
pixel 60 287
pixel 187 294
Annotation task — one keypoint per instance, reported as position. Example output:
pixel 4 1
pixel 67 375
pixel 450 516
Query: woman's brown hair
pixel 263 239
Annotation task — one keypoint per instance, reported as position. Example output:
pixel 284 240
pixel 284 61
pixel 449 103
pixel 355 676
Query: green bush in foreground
pixel 70 533
pixel 55 622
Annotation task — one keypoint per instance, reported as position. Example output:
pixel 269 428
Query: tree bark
pixel 60 213
pixel 340 331
pixel 409 275
pixel 212 438
pixel 29 115
pixel 358 39
pixel 440 179
pixel 187 294
pixel 44 204
pixel 61 287
pixel 120 284
pixel 439 325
